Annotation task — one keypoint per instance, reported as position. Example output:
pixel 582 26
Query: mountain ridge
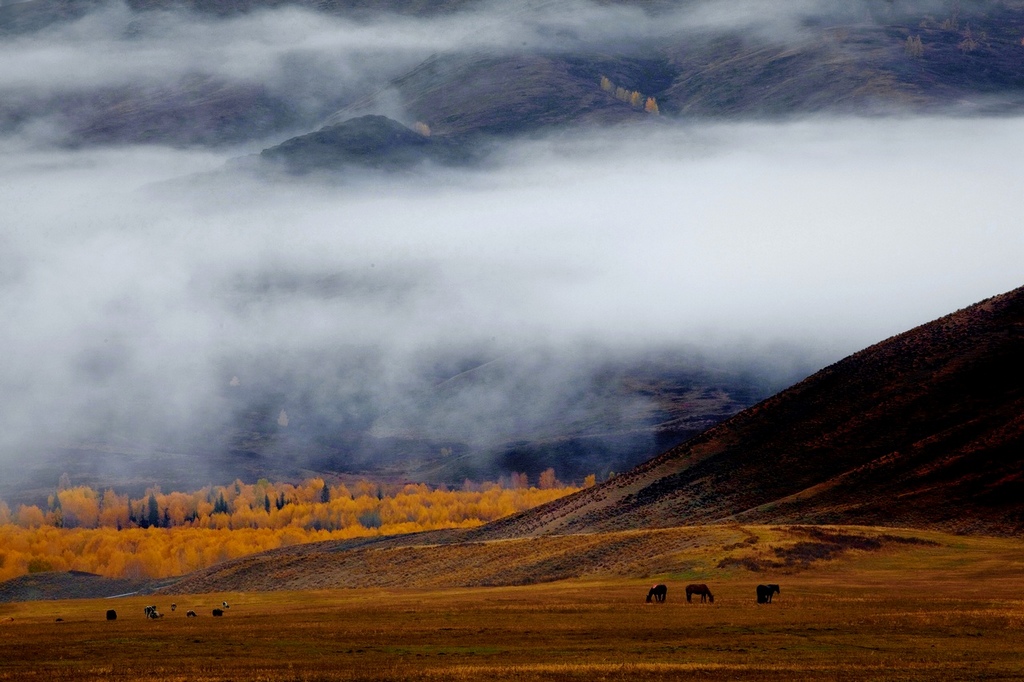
pixel 918 406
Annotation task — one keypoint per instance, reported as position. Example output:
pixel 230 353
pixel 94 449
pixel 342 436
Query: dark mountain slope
pixel 924 429
pixel 367 141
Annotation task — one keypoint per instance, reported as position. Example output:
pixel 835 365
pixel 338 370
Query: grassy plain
pixel 952 610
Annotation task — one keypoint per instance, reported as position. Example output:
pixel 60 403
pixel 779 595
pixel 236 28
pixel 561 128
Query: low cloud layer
pixel 133 307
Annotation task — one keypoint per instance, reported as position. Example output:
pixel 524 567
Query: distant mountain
pixel 925 429
pixel 870 57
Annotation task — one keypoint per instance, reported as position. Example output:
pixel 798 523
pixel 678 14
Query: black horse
pixel 765 592
pixel 658 592
pixel 702 590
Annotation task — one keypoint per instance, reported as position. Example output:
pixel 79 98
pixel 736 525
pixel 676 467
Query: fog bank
pixel 140 311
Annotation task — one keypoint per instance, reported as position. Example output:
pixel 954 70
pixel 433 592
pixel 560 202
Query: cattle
pixel 151 612
pixel 218 612
pixel 111 614
pixel 225 604
pixel 173 607
pixel 190 614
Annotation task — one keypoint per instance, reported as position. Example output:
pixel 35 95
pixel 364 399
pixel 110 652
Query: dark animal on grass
pixel 657 593
pixel 111 614
pixel 765 592
pixel 151 612
pixel 218 612
pixel 190 614
pixel 702 590
pixel 173 607
pixel 225 605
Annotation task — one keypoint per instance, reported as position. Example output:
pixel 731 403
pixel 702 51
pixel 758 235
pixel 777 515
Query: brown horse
pixel 765 592
pixel 658 592
pixel 702 590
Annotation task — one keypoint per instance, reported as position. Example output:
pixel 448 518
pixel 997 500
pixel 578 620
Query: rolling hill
pixel 925 429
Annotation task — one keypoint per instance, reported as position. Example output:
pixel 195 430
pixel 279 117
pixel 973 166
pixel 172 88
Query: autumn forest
pixel 164 534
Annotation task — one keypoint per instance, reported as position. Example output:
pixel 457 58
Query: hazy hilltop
pixel 924 430
pixel 501 70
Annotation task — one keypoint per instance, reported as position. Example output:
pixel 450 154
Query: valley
pixel 951 608
pixel 418 339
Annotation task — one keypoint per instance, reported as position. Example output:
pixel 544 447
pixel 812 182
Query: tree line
pixel 163 534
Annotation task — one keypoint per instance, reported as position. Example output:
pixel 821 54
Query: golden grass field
pixel 952 610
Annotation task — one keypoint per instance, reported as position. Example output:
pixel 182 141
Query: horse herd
pixel 659 592
pixel 152 613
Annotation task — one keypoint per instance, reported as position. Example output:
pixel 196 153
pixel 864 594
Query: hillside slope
pixel 925 429
pixel 447 559
pixel 870 57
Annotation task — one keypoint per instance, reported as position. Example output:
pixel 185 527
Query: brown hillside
pixel 449 559
pixel 925 429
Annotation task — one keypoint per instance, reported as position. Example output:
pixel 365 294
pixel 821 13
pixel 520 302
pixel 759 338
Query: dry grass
pixel 950 610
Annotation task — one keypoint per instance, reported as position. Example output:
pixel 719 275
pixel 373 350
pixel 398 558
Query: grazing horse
pixel 702 590
pixel 658 592
pixel 765 592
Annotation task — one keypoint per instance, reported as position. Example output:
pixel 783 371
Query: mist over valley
pixel 214 265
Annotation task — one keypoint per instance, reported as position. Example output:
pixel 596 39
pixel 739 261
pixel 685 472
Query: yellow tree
pixel 547 479
pixel 30 516
pixel 114 510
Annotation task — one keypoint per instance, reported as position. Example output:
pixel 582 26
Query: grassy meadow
pixel 951 609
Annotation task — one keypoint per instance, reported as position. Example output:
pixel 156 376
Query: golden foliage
pixel 634 98
pixel 165 534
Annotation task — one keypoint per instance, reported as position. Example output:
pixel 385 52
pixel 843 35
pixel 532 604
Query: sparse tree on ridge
pixel 913 47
